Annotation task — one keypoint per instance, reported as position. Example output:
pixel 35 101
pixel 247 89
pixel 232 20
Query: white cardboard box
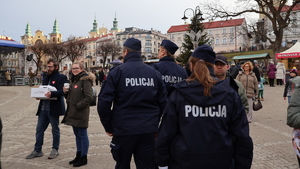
pixel 40 92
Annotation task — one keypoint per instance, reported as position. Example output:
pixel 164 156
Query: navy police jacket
pixel 57 107
pixel 138 96
pixel 204 132
pixel 171 73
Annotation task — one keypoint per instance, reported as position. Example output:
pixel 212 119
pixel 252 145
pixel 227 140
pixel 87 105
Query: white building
pixel 226 36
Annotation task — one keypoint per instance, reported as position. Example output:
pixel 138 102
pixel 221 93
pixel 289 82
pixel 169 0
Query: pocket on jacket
pixel 115 151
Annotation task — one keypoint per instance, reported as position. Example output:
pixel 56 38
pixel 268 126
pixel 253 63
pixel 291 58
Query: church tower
pixel 94 32
pixel 115 25
pixel 27 38
pixel 55 36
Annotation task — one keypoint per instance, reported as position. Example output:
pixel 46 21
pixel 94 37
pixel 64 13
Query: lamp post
pixel 194 34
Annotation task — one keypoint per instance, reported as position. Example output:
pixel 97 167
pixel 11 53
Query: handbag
pixel 257 106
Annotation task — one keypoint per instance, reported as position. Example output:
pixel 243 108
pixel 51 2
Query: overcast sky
pixel 76 17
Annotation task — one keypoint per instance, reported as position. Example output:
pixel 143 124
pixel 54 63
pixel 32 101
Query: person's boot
pixel 82 161
pixel 76 159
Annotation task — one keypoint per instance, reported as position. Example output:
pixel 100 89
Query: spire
pixel 55 27
pixel 115 23
pixel 28 30
pixel 95 25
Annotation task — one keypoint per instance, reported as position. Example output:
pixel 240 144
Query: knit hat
pixel 294 71
pixel 170 46
pixel 205 53
pixel 133 43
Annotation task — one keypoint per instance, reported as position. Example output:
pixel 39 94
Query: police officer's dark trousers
pixel 141 146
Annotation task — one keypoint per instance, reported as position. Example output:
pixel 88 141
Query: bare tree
pixel 56 51
pixel 74 48
pixel 106 48
pixel 39 50
pixel 277 12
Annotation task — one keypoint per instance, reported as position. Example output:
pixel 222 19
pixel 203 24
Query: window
pixel 224 31
pixel 209 32
pixel 224 41
pixel 148 49
pixel 231 30
pixel 217 42
pixel 231 40
pixel 148 36
pixel 148 43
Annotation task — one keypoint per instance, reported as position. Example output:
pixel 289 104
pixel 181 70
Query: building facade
pixel 226 36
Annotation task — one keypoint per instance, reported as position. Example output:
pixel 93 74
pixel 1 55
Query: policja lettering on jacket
pixel 171 79
pixel 139 81
pixel 210 111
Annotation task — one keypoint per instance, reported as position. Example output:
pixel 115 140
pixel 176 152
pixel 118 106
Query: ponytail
pixel 201 74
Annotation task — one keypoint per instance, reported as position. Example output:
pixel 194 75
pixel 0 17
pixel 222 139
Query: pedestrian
pixel 256 70
pixel 234 70
pixel 170 71
pixel 78 97
pixel 101 76
pixel 280 72
pixel 1 126
pixel 96 76
pixel 271 71
pixel 130 105
pixel 250 83
pixel 289 85
pixel 204 123
pixel 66 72
pixel 261 88
pixel 31 77
pixel 8 77
pixel 49 111
pixel 221 72
pixel 293 115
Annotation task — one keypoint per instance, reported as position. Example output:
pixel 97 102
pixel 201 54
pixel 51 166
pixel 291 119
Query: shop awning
pixel 293 52
pixel 252 57
pixel 11 43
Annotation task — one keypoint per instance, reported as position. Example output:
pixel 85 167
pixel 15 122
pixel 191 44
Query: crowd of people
pixel 159 114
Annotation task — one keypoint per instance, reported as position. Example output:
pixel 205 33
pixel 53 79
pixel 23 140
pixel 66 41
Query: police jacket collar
pixel 133 56
pixel 167 58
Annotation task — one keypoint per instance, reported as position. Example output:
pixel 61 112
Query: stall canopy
pixel 252 57
pixel 8 46
pixel 293 52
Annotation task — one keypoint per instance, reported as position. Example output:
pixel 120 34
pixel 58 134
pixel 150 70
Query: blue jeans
pixel 44 119
pixel 82 140
pixel 289 99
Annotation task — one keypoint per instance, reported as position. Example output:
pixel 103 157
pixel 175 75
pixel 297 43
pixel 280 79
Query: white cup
pixel 67 86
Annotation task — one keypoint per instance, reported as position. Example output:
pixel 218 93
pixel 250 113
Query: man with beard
pixel 49 111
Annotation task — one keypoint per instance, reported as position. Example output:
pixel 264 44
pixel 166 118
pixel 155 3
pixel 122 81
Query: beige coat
pixel 249 82
pixel 7 75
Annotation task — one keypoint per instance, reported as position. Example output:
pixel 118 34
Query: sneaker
pixel 53 154
pixel 34 154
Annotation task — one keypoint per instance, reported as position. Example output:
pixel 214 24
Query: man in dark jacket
pixel 171 72
pixel 138 95
pixel 49 111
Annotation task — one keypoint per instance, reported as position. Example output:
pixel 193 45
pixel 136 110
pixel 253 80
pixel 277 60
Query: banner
pixel 287 55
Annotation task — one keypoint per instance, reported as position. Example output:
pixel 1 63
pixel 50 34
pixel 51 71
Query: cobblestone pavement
pixel 270 134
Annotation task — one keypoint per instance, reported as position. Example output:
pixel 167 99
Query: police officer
pixel 138 95
pixel 204 123
pixel 171 73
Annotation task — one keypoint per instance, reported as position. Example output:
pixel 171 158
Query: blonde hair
pixel 202 74
pixel 79 63
pixel 250 65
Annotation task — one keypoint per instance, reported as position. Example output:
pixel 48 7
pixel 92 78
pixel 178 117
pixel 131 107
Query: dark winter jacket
pixel 171 72
pixel 79 97
pixel 138 96
pixel 197 131
pixel 57 107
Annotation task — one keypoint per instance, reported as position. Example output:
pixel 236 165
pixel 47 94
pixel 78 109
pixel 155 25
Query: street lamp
pixel 194 34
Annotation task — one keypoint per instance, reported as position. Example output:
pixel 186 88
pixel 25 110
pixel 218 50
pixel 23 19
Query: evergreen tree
pixel 195 33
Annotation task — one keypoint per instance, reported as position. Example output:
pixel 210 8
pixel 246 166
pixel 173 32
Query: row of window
pixel 11 63
pixel 224 41
pixel 224 31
